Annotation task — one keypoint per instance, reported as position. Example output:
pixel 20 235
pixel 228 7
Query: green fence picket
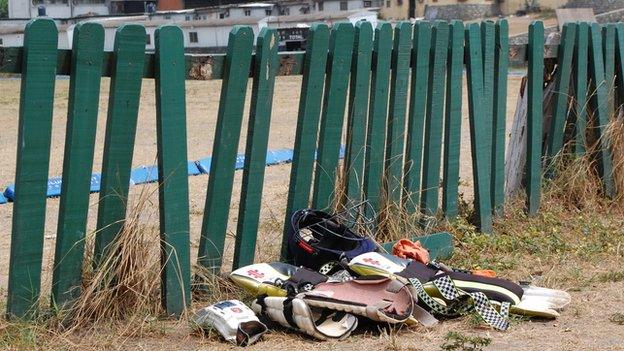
pixel 225 147
pixel 377 114
pixel 535 93
pixel 501 67
pixel 599 102
pixel 452 119
pixel 332 117
pixel 82 113
pixel 479 145
pixel 32 162
pixel 434 121
pixel 619 63
pixel 608 49
pixel 173 192
pixel 488 42
pixel 358 110
pixel 579 107
pixel 307 125
pixel 395 135
pixel 417 109
pixel 265 68
pixel 562 90
pixel 123 108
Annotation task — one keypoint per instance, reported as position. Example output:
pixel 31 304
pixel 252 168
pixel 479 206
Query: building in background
pixel 57 8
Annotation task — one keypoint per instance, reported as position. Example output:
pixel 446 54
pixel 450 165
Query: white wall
pixel 17 39
pixel 19 8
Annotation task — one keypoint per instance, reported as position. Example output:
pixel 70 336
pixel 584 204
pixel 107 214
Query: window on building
pixel 167 16
pixel 188 18
pixel 304 10
pixel 1 42
pixel 268 12
pixel 368 3
pixel 247 12
pixel 344 6
pixel 388 3
pixel 193 37
pixel 320 6
pixel 285 11
pixel 148 39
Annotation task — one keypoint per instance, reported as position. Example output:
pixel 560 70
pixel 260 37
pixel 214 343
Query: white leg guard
pixel 235 321
pixel 294 313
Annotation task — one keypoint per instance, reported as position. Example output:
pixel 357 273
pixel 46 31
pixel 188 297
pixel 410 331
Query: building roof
pixel 319 16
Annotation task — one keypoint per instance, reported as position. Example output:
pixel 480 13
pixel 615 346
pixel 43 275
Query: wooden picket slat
pixel 32 163
pixel 499 118
pixel 488 42
pixel 265 69
pixel 332 117
pixel 307 126
pixel 619 63
pixel 535 92
pixel 412 172
pixel 377 114
pixel 358 110
pixel 598 101
pixel 434 122
pixel 82 113
pixel 478 143
pixel 608 49
pixel 579 106
pixel 225 147
pixel 173 192
pixel 562 89
pixel 452 119
pixel 123 108
pixel 395 135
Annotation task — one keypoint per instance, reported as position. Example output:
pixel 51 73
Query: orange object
pixel 405 248
pixel 484 273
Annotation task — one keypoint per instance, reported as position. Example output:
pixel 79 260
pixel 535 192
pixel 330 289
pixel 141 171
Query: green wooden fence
pixel 401 92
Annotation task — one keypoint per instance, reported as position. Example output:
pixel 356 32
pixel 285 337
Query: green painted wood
pixel 307 126
pixel 173 192
pixel 579 74
pixel 412 171
pixel 265 69
pixel 82 113
pixel 395 144
pixel 332 116
pixel 562 90
pixel 619 63
pixel 225 147
pixel 439 245
pixel 599 104
pixel 452 120
pixel 377 114
pixel 31 174
pixel 535 115
pixel 358 110
pixel 480 147
pixel 488 42
pixel 608 48
pixel 434 122
pixel 123 108
pixel 501 66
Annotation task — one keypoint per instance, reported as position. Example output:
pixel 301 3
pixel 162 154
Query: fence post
pixel 173 198
pixel 395 134
pixel 434 122
pixel 265 69
pixel 32 163
pixel 123 108
pixel 332 117
pixel 225 147
pixel 82 113
pixel 307 126
pixel 452 119
pixel 412 172
pixel 478 138
pixel 358 110
pixel 535 92
pixel 488 47
pixel 501 63
pixel 579 114
pixel 377 114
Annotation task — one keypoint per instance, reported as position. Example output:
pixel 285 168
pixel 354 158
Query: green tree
pixel 4 8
